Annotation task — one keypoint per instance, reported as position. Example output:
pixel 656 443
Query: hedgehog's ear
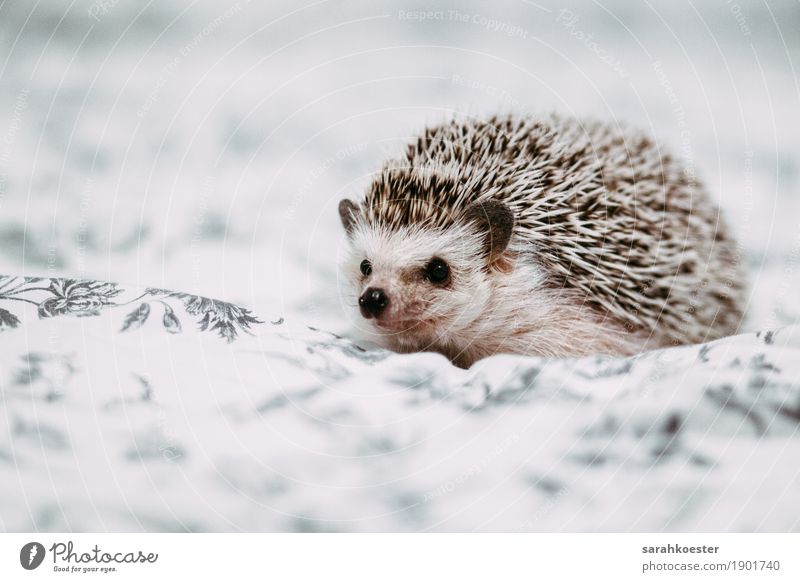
pixel 347 213
pixel 496 220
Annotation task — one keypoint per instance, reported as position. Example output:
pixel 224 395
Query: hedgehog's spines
pixel 604 208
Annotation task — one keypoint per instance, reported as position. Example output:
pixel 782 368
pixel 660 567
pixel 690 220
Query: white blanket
pixel 130 409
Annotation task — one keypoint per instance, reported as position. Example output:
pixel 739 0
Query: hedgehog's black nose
pixel 372 302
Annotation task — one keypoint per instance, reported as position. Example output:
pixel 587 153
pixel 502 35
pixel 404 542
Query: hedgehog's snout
pixel 372 302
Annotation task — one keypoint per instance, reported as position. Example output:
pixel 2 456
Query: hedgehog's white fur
pixel 485 312
pixel 613 250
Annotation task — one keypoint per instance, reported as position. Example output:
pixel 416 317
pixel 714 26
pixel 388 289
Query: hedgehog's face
pixel 420 286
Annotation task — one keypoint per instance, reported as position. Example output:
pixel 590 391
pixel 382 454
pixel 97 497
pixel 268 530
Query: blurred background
pixel 203 146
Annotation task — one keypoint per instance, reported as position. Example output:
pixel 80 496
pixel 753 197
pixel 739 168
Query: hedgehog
pixel 539 235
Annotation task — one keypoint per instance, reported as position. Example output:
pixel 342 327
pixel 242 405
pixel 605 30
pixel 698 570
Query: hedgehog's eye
pixel 437 271
pixel 366 267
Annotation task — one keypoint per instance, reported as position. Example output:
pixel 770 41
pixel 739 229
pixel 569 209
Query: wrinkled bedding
pixel 130 409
